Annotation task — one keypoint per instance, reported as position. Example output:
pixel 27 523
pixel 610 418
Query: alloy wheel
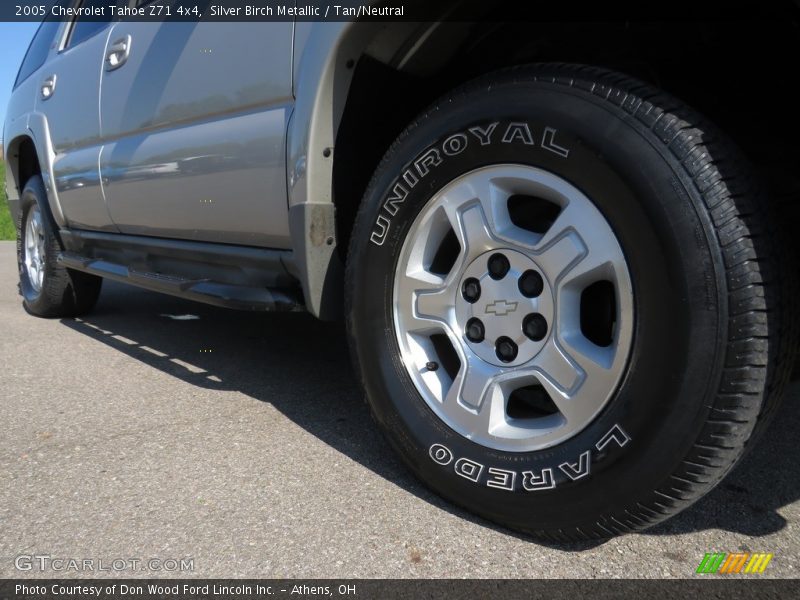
pixel 513 307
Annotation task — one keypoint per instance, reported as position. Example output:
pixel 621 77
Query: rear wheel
pixel 47 288
pixel 564 302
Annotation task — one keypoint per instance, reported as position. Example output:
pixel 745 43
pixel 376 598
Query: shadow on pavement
pixel 301 366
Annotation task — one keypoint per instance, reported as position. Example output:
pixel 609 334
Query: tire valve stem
pixel 432 366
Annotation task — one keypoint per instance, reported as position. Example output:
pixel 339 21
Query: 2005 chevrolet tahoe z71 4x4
pixel 566 291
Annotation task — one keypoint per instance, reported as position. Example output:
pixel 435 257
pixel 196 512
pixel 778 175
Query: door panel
pixel 73 119
pixel 195 124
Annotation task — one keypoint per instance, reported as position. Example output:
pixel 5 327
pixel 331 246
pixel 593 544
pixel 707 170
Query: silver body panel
pixel 193 148
pixel 73 120
pixel 207 132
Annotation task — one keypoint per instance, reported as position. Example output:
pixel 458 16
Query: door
pixel 194 116
pixel 68 96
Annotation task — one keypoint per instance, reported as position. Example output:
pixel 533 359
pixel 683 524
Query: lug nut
pixel 471 290
pixel 534 326
pixel 531 284
pixel 498 266
pixel 475 330
pixel 506 349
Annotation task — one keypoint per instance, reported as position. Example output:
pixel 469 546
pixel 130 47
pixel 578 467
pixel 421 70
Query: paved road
pixel 241 441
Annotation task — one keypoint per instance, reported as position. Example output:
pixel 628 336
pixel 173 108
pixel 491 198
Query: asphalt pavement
pixel 156 428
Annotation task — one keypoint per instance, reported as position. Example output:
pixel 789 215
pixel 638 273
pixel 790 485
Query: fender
pixel 40 133
pixel 322 77
pixel 33 126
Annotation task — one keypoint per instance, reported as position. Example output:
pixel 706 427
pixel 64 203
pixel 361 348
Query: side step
pixel 227 295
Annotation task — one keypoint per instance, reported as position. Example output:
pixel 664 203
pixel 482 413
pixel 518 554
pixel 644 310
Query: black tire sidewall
pixel 675 266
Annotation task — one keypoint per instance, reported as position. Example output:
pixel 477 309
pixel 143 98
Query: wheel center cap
pixel 504 308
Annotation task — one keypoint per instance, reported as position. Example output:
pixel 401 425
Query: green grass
pixel 7 231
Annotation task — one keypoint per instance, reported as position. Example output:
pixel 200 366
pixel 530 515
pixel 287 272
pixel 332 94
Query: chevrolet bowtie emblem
pixel 501 308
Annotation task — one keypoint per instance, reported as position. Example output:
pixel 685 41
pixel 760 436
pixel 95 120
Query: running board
pixel 227 295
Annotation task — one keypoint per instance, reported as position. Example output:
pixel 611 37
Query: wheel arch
pixel 29 152
pixel 23 163
pixel 327 58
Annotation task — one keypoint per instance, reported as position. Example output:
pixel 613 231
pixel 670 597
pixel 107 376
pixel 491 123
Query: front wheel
pixel 557 301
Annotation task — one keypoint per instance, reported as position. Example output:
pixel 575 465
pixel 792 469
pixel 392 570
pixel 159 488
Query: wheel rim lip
pixel 34 248
pixel 548 431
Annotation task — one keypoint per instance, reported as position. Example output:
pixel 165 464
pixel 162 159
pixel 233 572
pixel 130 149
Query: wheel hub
pixel 501 291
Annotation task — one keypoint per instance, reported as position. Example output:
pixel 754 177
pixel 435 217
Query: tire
pixel 689 314
pixel 47 288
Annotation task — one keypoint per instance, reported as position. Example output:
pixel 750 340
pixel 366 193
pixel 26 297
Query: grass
pixel 7 231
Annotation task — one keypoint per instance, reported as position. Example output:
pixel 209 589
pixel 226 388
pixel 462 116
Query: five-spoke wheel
pixel 527 365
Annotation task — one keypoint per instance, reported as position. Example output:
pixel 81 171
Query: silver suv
pixel 567 293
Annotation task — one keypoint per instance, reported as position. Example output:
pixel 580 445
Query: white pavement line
pixel 187 366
